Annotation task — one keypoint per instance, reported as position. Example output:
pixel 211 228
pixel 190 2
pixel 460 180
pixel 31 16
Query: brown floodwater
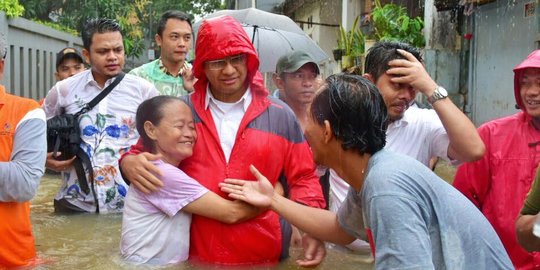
pixel 90 241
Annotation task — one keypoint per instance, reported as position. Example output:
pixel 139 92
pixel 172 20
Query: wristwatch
pixel 438 94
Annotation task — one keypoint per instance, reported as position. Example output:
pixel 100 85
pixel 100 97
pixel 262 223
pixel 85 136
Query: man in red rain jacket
pixel 238 125
pixel 498 183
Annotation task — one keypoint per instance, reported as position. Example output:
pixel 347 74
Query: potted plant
pixel 351 44
pixel 337 54
pixel 391 22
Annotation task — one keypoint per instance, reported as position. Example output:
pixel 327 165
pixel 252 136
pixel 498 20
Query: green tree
pixel 391 22
pixel 151 14
pixel 138 18
pixel 12 8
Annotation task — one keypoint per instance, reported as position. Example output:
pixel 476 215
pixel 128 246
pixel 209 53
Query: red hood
pixel 532 61
pixel 221 37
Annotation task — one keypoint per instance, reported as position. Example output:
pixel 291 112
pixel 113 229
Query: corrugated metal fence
pixel 31 56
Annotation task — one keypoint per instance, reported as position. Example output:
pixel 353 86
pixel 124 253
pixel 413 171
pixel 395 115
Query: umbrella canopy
pixel 273 35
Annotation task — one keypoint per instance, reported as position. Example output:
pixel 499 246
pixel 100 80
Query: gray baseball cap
pixel 294 60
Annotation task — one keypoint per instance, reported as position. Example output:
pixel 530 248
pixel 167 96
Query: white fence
pixel 31 55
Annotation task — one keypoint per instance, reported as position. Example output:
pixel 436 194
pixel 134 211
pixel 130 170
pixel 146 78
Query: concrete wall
pixel 442 54
pixel 31 56
pixel 349 10
pixel 327 12
pixel 502 37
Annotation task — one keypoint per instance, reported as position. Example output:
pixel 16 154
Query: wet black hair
pixel 172 14
pixel 356 112
pixel 151 110
pixel 383 52
pixel 100 26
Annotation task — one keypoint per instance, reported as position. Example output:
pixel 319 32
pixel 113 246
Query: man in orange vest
pixel 23 148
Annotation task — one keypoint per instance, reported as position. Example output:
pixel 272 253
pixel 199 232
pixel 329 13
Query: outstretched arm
pixel 180 192
pixel 319 223
pixel 465 143
pixel 213 206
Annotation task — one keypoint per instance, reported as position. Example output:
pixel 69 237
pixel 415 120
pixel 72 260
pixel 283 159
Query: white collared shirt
pixel 227 117
pixel 107 131
pixel 419 134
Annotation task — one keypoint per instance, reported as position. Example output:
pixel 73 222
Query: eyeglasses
pixel 235 60
pixel 5 54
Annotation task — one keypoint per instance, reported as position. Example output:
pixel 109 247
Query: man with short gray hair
pixel 22 164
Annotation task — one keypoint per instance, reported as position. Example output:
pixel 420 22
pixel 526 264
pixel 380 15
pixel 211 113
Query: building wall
pixel 502 37
pixel 442 53
pixel 349 10
pixel 31 57
pixel 477 71
pixel 323 12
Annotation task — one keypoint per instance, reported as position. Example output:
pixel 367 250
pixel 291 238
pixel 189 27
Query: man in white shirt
pixel 444 131
pixel 107 130
pixel 398 72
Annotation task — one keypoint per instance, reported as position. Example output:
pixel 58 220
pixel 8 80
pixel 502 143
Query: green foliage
pixel 58 27
pixel 391 22
pixel 133 47
pixel 352 41
pixel 12 8
pixel 138 18
pixel 152 13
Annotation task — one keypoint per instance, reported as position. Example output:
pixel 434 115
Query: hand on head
pixel 412 72
pixel 258 193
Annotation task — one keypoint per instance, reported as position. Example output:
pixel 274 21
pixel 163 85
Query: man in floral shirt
pixel 108 129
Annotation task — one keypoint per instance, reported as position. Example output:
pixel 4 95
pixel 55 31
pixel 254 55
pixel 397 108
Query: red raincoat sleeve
pixel 473 179
pixel 303 183
pixel 133 150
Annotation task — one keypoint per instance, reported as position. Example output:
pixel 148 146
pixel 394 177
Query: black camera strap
pixel 82 158
pixel 101 95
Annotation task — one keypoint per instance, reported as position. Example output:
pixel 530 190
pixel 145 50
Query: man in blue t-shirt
pixel 412 218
